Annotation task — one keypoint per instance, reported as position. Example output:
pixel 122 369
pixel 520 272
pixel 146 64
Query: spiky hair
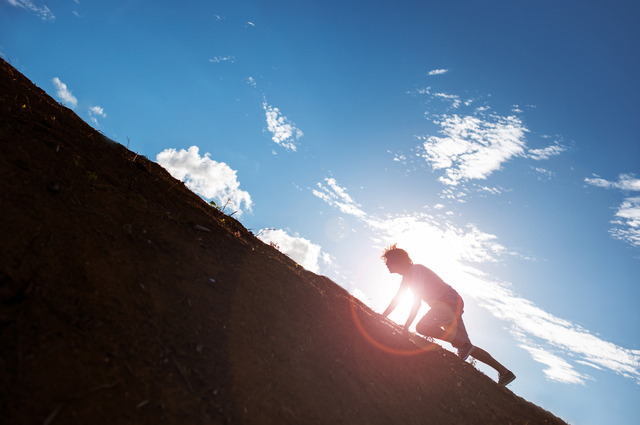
pixel 393 253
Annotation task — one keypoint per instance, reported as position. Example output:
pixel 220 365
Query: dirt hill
pixel 126 298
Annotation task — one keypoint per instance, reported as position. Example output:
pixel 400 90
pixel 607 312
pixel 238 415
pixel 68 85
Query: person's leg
pixel 486 358
pixel 433 332
pixel 444 322
pixel 433 322
pixel 462 342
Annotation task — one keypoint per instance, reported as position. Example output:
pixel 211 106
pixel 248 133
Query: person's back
pixel 426 284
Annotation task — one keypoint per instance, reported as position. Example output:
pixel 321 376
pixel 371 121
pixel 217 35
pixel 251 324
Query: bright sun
pixel 401 312
pixel 378 287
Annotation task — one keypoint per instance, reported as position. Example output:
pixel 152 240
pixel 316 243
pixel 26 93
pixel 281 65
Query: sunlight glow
pixel 380 345
pixel 448 250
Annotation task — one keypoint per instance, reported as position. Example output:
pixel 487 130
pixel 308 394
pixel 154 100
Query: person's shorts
pixel 447 314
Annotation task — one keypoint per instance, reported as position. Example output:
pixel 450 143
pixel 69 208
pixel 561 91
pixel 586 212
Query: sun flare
pixel 381 286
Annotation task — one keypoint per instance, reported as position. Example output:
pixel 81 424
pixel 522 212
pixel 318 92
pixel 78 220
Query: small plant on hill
pixel 264 230
pixel 221 209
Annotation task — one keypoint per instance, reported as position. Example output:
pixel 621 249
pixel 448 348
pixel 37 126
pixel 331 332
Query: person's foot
pixel 465 351
pixel 507 378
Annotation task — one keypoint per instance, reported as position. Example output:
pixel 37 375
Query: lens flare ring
pixel 378 344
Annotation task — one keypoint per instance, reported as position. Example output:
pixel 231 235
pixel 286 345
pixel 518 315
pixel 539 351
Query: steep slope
pixel 125 298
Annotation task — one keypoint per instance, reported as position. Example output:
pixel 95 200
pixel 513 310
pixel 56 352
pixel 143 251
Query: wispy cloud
pixel 208 178
pixel 42 11
pixel 472 147
pixel 301 250
pixel 438 72
pixel 557 343
pixel 627 221
pixel 543 173
pixel 64 93
pixel 284 132
pixel 96 111
pixel 337 196
pixel 626 182
pixel 425 90
pixel 558 369
pixel 454 99
pixel 218 59
pixel 74 12
pixel 546 153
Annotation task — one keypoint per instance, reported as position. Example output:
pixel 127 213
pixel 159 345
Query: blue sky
pixel 496 141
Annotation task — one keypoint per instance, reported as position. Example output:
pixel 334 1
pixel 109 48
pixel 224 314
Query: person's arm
pixel 396 300
pixel 414 312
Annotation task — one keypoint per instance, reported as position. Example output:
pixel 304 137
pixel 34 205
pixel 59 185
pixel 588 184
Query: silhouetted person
pixel 444 319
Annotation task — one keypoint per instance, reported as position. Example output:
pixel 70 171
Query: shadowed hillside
pixel 126 298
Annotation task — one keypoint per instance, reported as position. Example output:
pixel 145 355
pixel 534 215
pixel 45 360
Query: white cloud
pixel 301 250
pixel 626 182
pixel 491 190
pixel 546 153
pixel 96 111
pixel 206 177
pixel 543 173
pixel 627 223
pixel 218 59
pixel 43 11
pixel 421 91
pixel 64 93
pixel 449 251
pixel 455 100
pixel 251 23
pixel 337 196
pixel 558 369
pixel 473 148
pixel 284 132
pixel 438 72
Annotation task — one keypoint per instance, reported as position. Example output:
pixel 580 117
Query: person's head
pixel 396 259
